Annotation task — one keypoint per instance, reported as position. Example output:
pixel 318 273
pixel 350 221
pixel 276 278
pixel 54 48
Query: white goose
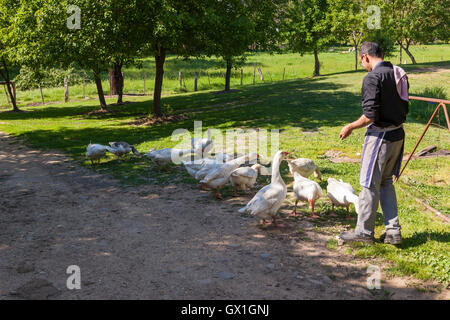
pixel 163 157
pixel 306 190
pixel 245 177
pixel 202 146
pixel 305 167
pixel 268 200
pixel 223 157
pixel 192 167
pixel 219 174
pixel 95 152
pixel 341 194
pixel 121 148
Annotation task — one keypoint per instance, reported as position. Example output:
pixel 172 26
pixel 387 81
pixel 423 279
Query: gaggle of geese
pixel 223 169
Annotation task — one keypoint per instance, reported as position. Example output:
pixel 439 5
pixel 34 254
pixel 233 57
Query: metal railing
pixel 441 104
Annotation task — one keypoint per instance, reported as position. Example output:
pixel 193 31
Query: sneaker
pixel 395 238
pixel 352 236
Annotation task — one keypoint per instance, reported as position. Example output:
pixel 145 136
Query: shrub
pixel 422 110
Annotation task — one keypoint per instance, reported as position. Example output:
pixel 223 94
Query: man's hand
pixel 361 122
pixel 345 131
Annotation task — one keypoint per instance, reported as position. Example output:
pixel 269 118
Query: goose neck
pixel 276 176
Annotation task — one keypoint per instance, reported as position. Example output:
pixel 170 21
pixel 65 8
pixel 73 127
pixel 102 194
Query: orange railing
pixel 441 104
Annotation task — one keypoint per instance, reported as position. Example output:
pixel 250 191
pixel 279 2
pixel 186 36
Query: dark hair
pixel 371 48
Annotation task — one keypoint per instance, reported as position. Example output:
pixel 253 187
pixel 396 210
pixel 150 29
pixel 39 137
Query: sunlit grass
pixel 309 113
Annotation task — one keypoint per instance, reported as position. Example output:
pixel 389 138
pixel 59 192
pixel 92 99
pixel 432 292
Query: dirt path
pixel 154 242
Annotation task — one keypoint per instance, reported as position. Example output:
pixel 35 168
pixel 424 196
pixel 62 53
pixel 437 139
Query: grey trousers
pixel 380 191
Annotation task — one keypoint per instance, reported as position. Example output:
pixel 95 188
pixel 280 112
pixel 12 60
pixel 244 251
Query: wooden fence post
pixel 180 75
pixel 284 70
pixel 42 95
pixel 209 80
pixel 84 88
pixel 144 84
pixel 254 72
pixel 260 74
pixel 66 89
pixel 195 81
pixel 242 75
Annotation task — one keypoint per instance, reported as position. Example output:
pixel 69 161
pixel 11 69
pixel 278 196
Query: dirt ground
pixel 159 242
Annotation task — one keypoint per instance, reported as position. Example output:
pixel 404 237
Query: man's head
pixel 369 55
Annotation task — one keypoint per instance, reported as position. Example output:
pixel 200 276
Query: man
pixel 384 112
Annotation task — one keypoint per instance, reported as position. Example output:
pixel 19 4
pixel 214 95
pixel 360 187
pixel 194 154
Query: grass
pixel 308 112
pixel 211 73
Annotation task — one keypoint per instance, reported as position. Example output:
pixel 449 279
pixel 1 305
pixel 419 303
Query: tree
pixel 108 34
pixel 308 28
pixel 229 33
pixel 412 21
pixel 8 9
pixel 235 25
pixel 349 22
pixel 124 30
pixel 171 26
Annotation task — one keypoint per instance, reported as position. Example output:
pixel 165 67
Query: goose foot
pixel 275 223
pixel 314 216
pixel 294 212
pixel 348 217
pixel 333 213
pixel 218 195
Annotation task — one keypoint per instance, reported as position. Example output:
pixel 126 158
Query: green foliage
pixel 384 40
pixel 422 110
pixel 308 26
pixel 28 78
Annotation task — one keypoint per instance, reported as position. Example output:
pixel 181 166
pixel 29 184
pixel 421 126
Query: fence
pixel 188 79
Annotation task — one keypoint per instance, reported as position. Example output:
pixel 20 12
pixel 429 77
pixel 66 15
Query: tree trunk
pixel 356 56
pixel 42 95
pixel 159 61
pixel 8 85
pixel 409 53
pixel 316 64
pixel 400 44
pixel 101 95
pixel 228 75
pixel 116 78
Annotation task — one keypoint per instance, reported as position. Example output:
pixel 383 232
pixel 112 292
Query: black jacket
pixel 380 99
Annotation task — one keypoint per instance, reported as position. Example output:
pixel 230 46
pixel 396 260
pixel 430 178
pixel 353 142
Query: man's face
pixel 364 62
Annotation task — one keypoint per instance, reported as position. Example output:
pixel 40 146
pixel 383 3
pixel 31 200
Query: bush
pixel 422 110
pixel 29 78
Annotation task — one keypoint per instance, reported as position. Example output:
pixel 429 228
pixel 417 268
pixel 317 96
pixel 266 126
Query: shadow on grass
pixel 420 238
pixel 311 103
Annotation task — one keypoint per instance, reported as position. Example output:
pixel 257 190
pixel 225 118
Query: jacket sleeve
pixel 370 96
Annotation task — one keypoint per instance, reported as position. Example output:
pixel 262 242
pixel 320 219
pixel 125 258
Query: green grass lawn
pixel 309 112
pixel 211 73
